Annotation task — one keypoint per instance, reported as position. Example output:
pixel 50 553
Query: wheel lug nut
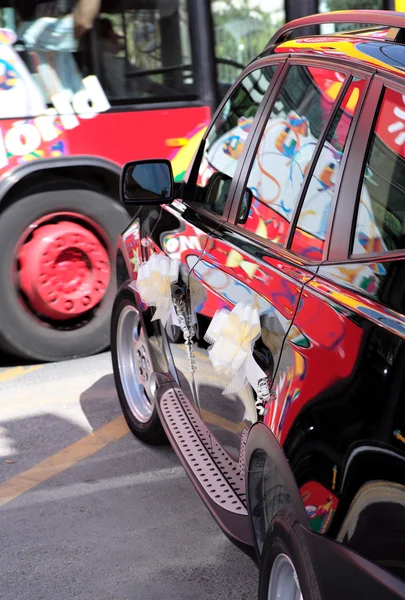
pixel 141 371
pixel 143 362
pixel 138 353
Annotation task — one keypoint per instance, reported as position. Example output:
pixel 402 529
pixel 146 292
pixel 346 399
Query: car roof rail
pixel 384 18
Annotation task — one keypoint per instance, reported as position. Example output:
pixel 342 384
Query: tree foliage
pixel 355 4
pixel 242 29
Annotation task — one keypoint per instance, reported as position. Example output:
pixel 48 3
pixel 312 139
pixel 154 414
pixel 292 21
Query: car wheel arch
pixel 121 269
pixel 264 457
pixel 387 468
pixel 373 492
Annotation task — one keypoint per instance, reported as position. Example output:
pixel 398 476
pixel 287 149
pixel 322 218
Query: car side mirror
pixel 244 208
pixel 147 182
pixel 217 192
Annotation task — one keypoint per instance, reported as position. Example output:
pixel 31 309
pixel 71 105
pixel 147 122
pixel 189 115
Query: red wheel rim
pixel 64 268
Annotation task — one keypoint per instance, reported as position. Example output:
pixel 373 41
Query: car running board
pixel 180 421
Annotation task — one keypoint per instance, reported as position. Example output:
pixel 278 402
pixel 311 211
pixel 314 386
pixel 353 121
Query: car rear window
pixel 310 234
pixel 380 224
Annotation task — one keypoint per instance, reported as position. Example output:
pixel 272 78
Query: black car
pixel 260 319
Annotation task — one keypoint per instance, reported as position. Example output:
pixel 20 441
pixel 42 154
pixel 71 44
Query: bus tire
pixel 88 223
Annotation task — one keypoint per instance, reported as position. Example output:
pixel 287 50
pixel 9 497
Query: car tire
pixel 24 333
pixel 286 566
pixel 132 365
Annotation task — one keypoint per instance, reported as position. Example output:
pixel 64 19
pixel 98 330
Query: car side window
pixel 226 139
pixel 380 225
pixel 310 233
pixel 285 150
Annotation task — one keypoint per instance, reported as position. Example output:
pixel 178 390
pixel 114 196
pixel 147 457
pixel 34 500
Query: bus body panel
pixel 114 136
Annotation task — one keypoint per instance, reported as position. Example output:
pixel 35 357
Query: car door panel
pixel 264 281
pixel 336 408
pixel 178 235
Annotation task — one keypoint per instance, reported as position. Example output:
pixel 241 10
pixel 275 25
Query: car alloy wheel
pixel 284 584
pixel 134 364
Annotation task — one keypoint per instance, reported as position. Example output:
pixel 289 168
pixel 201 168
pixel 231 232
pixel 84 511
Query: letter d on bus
pixel 91 101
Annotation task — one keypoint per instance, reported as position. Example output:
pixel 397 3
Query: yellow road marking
pixel 17 372
pixel 99 439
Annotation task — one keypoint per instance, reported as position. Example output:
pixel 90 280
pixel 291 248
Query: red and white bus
pixel 141 83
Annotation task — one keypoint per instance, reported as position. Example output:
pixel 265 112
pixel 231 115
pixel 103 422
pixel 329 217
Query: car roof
pixel 363 48
pixel 381 46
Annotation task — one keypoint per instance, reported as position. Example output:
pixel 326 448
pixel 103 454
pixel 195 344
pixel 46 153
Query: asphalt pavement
pixel 87 511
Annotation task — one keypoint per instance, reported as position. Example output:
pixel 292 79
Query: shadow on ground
pixel 123 524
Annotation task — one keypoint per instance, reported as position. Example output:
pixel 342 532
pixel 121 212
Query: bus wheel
pixel 57 274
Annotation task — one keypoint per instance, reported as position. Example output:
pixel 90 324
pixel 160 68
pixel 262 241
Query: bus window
pixel 140 51
pixel 145 50
pixel 240 34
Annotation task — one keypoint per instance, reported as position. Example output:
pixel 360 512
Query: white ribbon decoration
pixel 153 284
pixel 232 335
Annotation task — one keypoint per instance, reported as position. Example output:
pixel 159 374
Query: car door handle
pixel 264 358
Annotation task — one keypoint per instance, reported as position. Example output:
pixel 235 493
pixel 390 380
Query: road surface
pixel 87 511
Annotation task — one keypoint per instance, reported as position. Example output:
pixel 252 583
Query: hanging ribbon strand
pixel 153 284
pixel 197 296
pixel 187 326
pixel 186 302
pixel 232 335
